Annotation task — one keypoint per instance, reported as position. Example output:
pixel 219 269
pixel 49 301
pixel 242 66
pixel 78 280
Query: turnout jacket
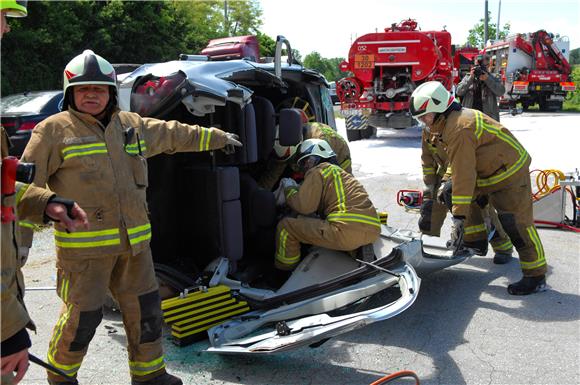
pixel 336 196
pixel 434 161
pixel 337 143
pixel 483 154
pixel 29 203
pixel 104 169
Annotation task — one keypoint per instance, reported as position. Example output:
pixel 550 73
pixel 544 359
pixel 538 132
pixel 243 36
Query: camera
pixel 478 71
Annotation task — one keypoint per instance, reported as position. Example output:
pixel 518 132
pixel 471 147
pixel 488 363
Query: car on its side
pixel 21 112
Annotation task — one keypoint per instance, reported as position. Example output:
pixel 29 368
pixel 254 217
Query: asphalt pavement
pixel 463 329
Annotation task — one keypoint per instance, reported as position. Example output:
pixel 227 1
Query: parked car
pixel 332 92
pixel 20 113
pixel 214 227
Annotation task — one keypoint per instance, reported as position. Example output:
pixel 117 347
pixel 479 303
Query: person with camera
pixel 22 201
pixel 480 89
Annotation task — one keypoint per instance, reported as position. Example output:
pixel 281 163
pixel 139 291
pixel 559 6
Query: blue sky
pixel 329 26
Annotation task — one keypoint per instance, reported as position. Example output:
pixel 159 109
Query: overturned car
pixel 214 227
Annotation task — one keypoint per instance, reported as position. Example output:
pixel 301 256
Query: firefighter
pixel 282 164
pixel 437 179
pixel 346 218
pixel 34 204
pixel 480 89
pixel 486 159
pixel 96 154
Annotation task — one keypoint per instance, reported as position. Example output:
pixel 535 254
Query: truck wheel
pixel 368 132
pixel 353 135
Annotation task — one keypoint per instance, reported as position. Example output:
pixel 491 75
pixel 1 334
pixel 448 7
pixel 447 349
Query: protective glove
pixel 280 196
pixel 232 141
pixel 288 182
pixel 444 194
pixel 429 191
pixel 456 232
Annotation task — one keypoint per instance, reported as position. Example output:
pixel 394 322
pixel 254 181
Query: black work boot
pixel 528 285
pixel 163 379
pixel 501 258
pixel 69 382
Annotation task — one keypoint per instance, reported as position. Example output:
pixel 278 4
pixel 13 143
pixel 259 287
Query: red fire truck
pixel 534 68
pixel 386 67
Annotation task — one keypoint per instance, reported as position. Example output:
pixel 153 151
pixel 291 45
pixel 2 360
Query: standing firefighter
pixel 97 154
pixel 21 201
pixel 346 217
pixel 486 159
pixel 437 179
pixel 283 156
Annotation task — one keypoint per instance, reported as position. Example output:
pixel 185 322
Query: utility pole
pixel 497 26
pixel 226 21
pixel 485 22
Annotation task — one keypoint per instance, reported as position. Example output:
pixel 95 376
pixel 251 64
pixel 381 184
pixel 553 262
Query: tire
pixel 353 135
pixel 368 132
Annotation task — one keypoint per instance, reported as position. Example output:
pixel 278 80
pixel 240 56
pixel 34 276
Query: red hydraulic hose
pixel 560 225
pixel 401 374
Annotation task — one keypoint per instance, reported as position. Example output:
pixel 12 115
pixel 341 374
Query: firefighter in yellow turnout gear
pixel 346 217
pixel 284 155
pixel 96 154
pixel 437 179
pixel 486 159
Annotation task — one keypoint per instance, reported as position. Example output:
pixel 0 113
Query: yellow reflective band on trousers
pixel 139 368
pixel 523 154
pixel 84 239
pixel 70 369
pixel 205 139
pixel 338 186
pixel 139 234
pixel 350 217
pixel 541 261
pixel 475 229
pixel 461 199
pixel 281 253
pixel 20 190
pixel 84 149
pixel 507 245
pixel 428 171
pixel 133 148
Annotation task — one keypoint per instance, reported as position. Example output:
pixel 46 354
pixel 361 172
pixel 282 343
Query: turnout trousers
pixel 314 231
pixel 83 285
pixel 513 202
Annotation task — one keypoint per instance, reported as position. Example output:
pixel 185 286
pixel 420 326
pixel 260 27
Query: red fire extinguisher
pixel 12 171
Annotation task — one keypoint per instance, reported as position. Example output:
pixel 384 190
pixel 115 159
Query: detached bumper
pixel 280 335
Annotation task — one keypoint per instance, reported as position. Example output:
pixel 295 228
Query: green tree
pixel 328 67
pixel 243 17
pixel 267 44
pixel 476 34
pixel 575 56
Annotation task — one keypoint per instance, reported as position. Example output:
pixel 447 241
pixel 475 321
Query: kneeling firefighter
pixel 282 163
pixel 487 160
pixel 96 154
pixel 438 186
pixel 346 217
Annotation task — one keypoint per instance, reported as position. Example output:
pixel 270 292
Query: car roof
pixel 31 103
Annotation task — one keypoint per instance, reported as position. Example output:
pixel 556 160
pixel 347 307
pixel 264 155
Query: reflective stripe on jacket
pixel 336 196
pixel 482 153
pixel 104 169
